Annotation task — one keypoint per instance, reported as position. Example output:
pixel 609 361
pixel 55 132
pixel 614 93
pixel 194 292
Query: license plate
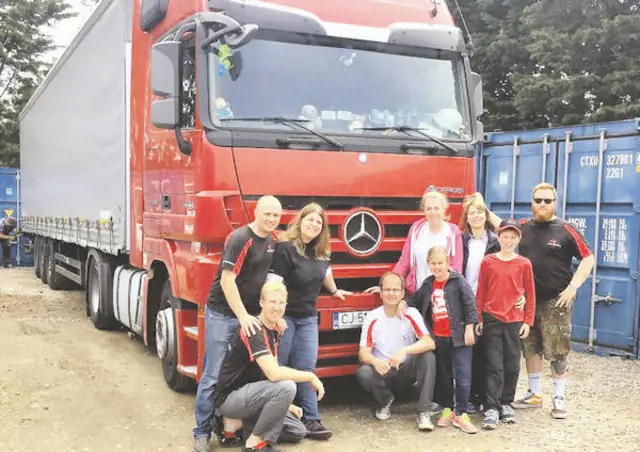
pixel 348 319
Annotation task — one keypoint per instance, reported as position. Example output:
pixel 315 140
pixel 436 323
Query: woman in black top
pixel 301 261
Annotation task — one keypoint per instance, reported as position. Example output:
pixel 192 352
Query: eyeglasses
pixel 543 200
pixel 392 290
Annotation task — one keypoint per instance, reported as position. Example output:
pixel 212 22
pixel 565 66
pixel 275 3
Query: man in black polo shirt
pixel 551 244
pixel 233 302
pixel 254 391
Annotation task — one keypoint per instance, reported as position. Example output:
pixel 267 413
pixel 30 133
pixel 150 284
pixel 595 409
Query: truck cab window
pixel 188 83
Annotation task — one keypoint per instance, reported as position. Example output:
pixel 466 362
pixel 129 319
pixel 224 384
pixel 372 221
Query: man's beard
pixel 543 216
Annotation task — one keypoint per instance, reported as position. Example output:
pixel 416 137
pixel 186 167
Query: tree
pixel 556 62
pixel 23 46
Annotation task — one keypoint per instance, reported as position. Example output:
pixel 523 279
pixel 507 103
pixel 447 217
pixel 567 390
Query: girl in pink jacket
pixel 426 233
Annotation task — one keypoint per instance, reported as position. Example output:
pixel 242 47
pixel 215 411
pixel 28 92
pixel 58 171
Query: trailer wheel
pixel 100 293
pixel 37 255
pixel 44 260
pixel 55 280
pixel 167 343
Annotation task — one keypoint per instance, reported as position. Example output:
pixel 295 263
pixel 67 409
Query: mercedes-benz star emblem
pixel 362 233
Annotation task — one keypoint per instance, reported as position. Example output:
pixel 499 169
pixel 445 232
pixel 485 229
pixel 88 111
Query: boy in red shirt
pixel 504 277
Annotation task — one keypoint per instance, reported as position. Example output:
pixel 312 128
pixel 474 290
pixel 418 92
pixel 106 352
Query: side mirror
pixel 228 30
pixel 476 89
pixel 165 82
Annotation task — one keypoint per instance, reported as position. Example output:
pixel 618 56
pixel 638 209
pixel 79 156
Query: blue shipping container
pixel 21 249
pixel 596 170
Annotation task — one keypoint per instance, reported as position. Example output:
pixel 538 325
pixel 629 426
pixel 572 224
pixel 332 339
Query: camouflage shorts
pixel 551 332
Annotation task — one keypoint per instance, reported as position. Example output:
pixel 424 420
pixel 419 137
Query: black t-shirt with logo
pixel 551 246
pixel 303 276
pixel 239 366
pixel 249 257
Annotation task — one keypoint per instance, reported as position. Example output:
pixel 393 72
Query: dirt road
pixel 65 386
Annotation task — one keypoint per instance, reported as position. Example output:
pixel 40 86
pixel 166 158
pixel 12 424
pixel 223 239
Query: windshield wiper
pixel 407 129
pixel 290 122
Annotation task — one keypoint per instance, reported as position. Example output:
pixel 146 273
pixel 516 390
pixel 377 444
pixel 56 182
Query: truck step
pixel 189 371
pixel 192 332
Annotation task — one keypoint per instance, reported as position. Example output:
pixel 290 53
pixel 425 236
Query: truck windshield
pixel 340 86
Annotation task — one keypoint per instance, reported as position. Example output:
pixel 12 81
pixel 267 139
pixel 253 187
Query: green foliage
pixel 23 46
pixel 556 62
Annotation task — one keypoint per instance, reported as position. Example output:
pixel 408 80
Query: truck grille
pixel 395 215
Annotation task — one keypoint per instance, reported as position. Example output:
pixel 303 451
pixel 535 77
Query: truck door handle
pixel 287 141
pixel 166 202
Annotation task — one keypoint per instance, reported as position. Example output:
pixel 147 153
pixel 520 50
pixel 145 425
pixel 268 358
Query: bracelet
pixel 334 292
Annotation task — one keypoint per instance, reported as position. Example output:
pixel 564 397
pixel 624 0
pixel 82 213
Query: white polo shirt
pixel 386 335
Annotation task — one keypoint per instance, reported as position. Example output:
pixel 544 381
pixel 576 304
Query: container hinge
pixel 636 208
pixel 607 300
pixel 634 275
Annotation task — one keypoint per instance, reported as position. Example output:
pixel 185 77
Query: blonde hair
pixel 437 251
pixel 273 287
pixel 474 201
pixel 434 194
pixel 544 186
pixel 321 244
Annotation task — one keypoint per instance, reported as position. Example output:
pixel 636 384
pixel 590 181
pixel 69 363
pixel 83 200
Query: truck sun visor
pixel 439 37
pixel 270 16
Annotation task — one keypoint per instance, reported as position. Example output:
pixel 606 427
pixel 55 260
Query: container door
pixel 531 158
pixel 599 192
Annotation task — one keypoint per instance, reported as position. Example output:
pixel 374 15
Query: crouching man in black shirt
pixel 253 389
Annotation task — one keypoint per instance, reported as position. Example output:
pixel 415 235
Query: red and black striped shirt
pixel 551 247
pixel 249 257
pixel 239 366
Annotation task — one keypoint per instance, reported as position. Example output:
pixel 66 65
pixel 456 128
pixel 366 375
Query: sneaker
pixel 508 416
pixel 384 412
pixel 434 409
pixel 230 439
pixel 491 419
pixel 464 423
pixel 262 447
pixel 471 408
pixel 315 430
pixel 424 421
pixel 529 400
pixel 558 411
pixel 201 444
pixel 446 418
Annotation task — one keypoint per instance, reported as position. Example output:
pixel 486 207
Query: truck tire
pixel 44 259
pixel 99 295
pixel 55 280
pixel 167 343
pixel 37 255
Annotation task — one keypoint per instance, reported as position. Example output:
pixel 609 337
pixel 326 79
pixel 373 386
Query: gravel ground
pixel 65 386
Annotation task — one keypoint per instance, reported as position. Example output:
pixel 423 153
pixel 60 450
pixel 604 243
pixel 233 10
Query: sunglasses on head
pixel 543 200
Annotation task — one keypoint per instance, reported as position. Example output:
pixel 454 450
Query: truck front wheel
pixel 167 343
pixel 100 293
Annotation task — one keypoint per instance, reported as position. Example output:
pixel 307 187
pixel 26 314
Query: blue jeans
pixel 453 362
pixel 219 330
pixel 298 349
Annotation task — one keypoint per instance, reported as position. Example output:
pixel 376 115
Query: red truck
pixel 163 122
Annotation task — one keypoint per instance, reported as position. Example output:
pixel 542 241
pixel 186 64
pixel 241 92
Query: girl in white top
pixel 432 230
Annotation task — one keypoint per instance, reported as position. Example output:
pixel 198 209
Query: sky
pixel 65 30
